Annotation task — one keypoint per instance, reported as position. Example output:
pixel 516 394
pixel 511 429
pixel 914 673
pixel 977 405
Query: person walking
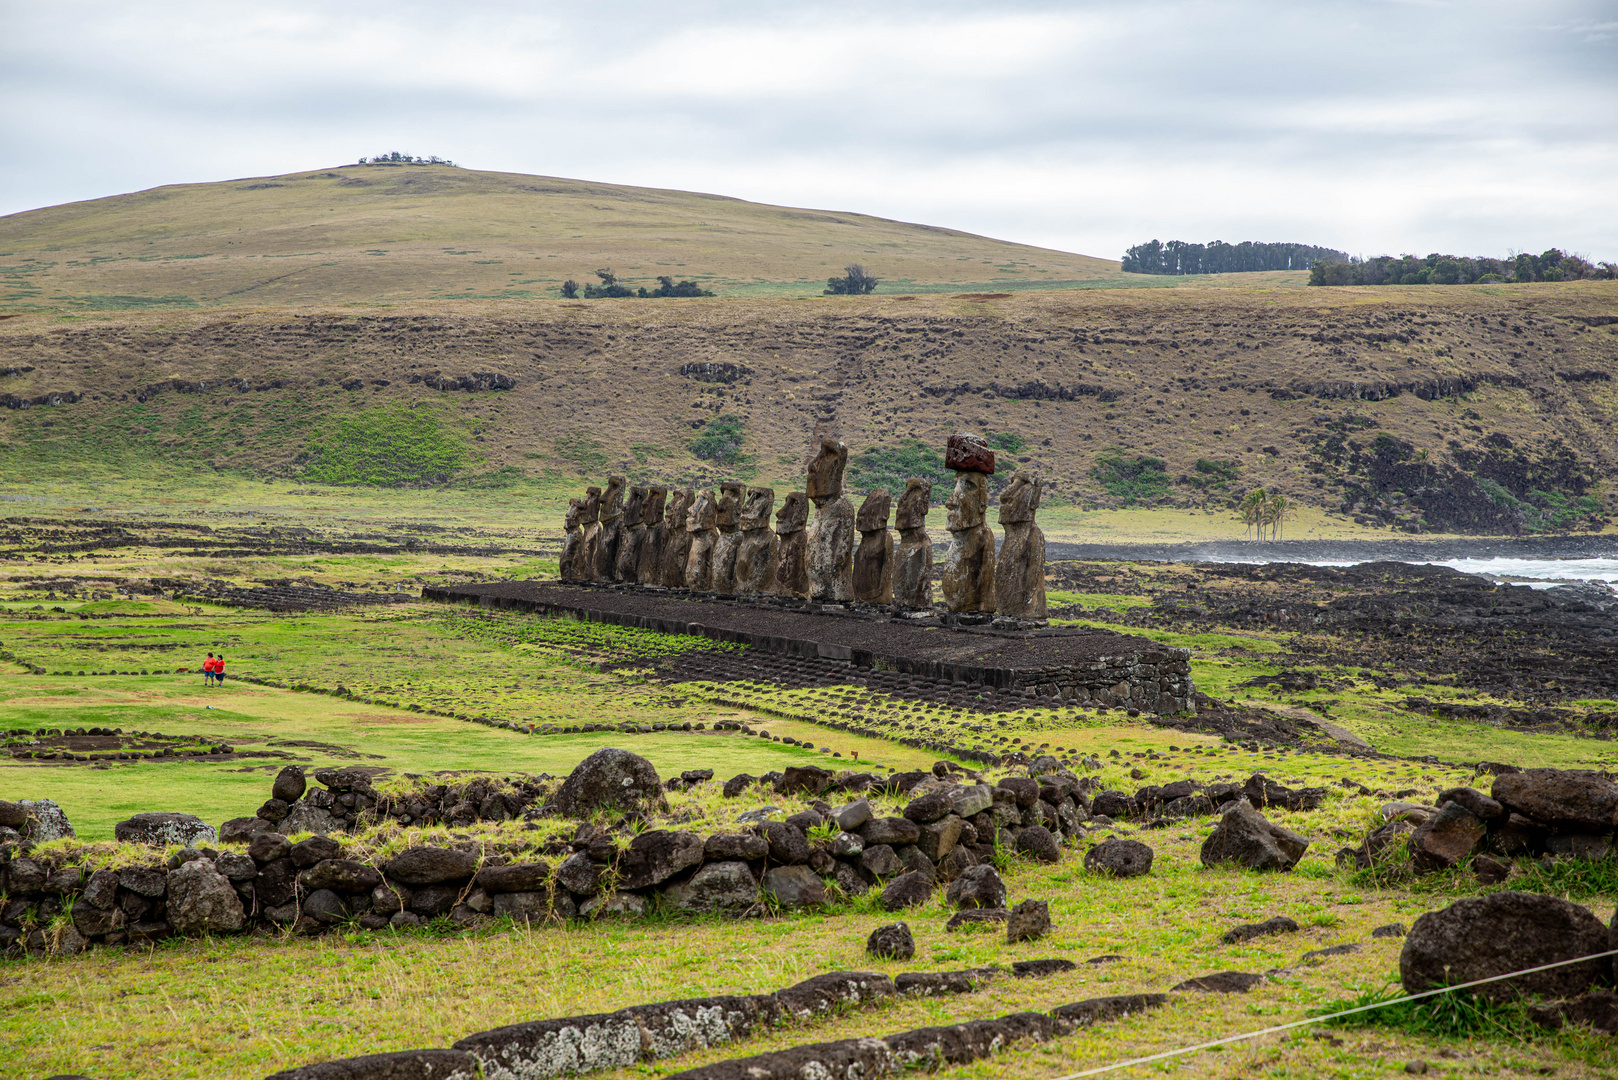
pixel 219 670
pixel 207 671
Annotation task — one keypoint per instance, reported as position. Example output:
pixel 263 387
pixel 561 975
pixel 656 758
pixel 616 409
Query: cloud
pixel 1086 126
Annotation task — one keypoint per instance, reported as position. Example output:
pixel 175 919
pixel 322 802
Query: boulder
pixel 1280 924
pixel 1029 920
pixel 892 831
pixel 429 901
pixel 609 779
pixel 1504 932
pixel 305 853
pixel 1245 837
pixel 527 906
pixel 1114 804
pixel 794 886
pixel 163 829
pixel 718 886
pixel 13 815
pixel 851 817
pixel 241 830
pixel 657 855
pixel 892 942
pixel 578 873
pixel 729 846
pixel 1475 801
pixel 1572 799
pixel 340 876
pixel 880 860
pixel 931 806
pixel 325 907
pixel 92 921
pixel 1119 858
pixel 971 799
pixel 274 810
pixel 1040 969
pixel 266 847
pixel 101 890
pixel 977 887
pixel 1221 982
pixel 916 861
pixel 738 784
pixel 1037 842
pixel 45 821
pixel 907 890
pixel 289 784
pixel 431 865
pixel 514 877
pixel 977 917
pixel 307 817
pixel 399 1065
pixel 201 900
pixel 148 881
pixel 1446 839
pixel 810 779
pixel 236 866
pixel 938 838
pixel 613 903
pixel 1024 790
pixel 788 845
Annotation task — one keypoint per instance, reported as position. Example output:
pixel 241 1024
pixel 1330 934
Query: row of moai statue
pixel 723 543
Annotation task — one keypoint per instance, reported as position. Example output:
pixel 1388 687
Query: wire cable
pixel 1331 1016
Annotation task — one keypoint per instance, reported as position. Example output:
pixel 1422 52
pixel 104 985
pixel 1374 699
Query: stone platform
pixel 1070 664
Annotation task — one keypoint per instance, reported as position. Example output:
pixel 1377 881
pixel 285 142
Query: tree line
pixel 1179 257
pixel 1552 265
pixel 610 289
pixel 393 157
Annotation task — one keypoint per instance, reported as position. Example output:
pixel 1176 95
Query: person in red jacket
pixel 207 671
pixel 219 670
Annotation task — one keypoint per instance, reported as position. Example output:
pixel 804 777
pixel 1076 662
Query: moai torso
pixel 567 567
pixel 792 558
pixel 756 554
pixel 676 537
pixel 590 546
pixel 649 568
pixel 631 535
pixel 727 519
pixel 831 534
pixel 1019 571
pixel 699 560
pixel 873 559
pixel 968 577
pixel 913 555
pixel 612 516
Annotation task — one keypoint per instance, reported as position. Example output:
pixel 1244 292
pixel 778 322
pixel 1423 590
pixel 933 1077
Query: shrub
pixel 1132 479
pixel 854 282
pixel 1009 441
pixel 888 467
pixel 389 446
pixel 721 440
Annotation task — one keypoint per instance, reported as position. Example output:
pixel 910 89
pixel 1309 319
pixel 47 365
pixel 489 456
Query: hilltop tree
pixel 854 282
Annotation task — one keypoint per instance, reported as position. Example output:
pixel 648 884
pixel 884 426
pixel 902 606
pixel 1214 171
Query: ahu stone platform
pixel 1074 665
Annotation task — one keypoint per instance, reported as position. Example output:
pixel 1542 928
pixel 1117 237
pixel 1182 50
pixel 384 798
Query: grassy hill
pixel 409 233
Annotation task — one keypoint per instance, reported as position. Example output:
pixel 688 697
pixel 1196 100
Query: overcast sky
pixel 1470 127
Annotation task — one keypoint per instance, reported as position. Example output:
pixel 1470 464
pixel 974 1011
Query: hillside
pixel 391 233
pixel 1478 409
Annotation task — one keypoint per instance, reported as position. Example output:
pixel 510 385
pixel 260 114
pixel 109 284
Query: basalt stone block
pixel 1024 789
pixel 916 861
pixel 727 886
pixel 274 810
pixel 1474 800
pixel 1501 933
pixel 804 778
pixel 788 844
pixel 305 853
pixel 1280 924
pixel 938 838
pixel 1446 839
pixel 1038 842
pixel 657 855
pixel 578 873
pixel 529 905
pixel 325 907
pixel 1041 969
pixel 91 921
pixel 101 890
pixel 13 815
pixel 268 846
pixel 832 992
pixel 913 555
pixel 1019 571
pixel 1221 982
pixel 290 784
pixel 907 890
pixel 1119 858
pixel 968 576
pixel 201 900
pixel 1082 1014
pixel 430 865
pixel 743 846
pixel 609 779
pixel 977 887
pixel 340 876
pixel 930 807
pixel 792 552
pixel 275 885
pixel 873 559
pixel 892 942
pixel 942 983
pixel 759 547
pixel 430 901
pixel 1245 837
pixel 307 817
pixel 880 860
pixel 1569 799
pixel 44 821
pixel 1029 920
pixel 242 830
pixel 515 877
pixel 399 1065
pixel 237 867
pixel 969 453
pixel 853 816
pixel 738 784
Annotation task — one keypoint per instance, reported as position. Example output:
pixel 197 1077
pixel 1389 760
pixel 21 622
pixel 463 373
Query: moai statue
pixel 612 515
pixel 727 513
pixel 792 555
pixel 676 538
pixel 913 557
pixel 968 578
pixel 831 534
pixel 699 560
pixel 631 535
pixel 1019 570
pixel 590 546
pixel 873 559
pixel 649 569
pixel 756 554
pixel 567 567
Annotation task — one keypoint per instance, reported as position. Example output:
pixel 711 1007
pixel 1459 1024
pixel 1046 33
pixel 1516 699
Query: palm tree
pixel 1252 510
pixel 1275 513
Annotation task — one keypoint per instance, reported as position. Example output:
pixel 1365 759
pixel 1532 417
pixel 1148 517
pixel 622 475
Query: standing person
pixel 219 670
pixel 207 671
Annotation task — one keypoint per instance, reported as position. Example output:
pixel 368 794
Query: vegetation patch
pixel 387 446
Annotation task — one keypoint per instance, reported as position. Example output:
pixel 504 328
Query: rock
pixel 1597 1009
pixel 1446 839
pixel 967 580
pixel 399 1065
pixel 938 838
pixel 1082 1014
pixel 976 917
pixel 811 779
pixel 892 942
pixel 788 845
pixel 163 829
pixel 237 867
pixel 806 820
pixel 274 810
pixel 1578 800
pixel 1588 846
pixel 1113 804
pixel 851 817
pixel 613 903
pixel 387 899
pixel 342 781
pixel 916 861
pixel 325 907
pixel 738 784
pixel 794 886
pixel 1188 806
pixel 1040 969
pixel 880 860
pixel 1245 837
pixel 656 855
pixel 431 865
pixel 609 779
pixel 718 886
pixel 67 879
pixel 430 901
pixel 268 846
pixel 940 983
pixel 1505 932
pixel 307 817
pixel 1037 842
pixel 13 815
pixel 1029 920
pixel 1392 929
pixel 1489 871
pixel 893 831
pixel 305 853
pixel 970 800
pixel 1475 801
pixel 45 821
pixel 404 919
pixel 1222 982
pixel 907 890
pixel 846 845
pixel 730 846
pixel 202 901
pixel 1248 931
pixel 932 806
pixel 578 873
pixel 341 876
pixel 913 555
pixel 515 877
pixel 1381 839
pixel 527 906
pixel 289 784
pixel 969 453
pixel 1315 956
pixel 1019 570
pixel 1119 858
pixel 977 887
pixel 92 921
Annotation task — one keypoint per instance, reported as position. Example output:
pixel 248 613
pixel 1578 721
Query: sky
pixel 1372 126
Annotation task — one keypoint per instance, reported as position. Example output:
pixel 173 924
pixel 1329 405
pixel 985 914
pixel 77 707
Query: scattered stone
pixel 1504 932
pixel 1475 801
pixel 1039 969
pixel 977 917
pixel 1028 921
pixel 1245 836
pixel 977 887
pixel 1110 958
pixel 1392 929
pixel 164 829
pixel 1280 924
pixel 1446 839
pixel 1417 1067
pixel 1222 982
pixel 1317 955
pixel 609 779
pixel 1490 871
pixel 1598 1009
pixel 892 942
pixel 1119 858
pixel 907 890
pixel 1037 842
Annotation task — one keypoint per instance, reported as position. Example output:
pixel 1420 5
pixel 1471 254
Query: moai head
pixel 612 503
pixel 793 515
pixel 651 510
pixel 575 511
pixel 728 507
pixel 704 509
pixel 756 511
pixel 826 471
pixel 913 504
pixel 634 507
pixel 873 515
pixel 968 504
pixel 1020 498
pixel 591 513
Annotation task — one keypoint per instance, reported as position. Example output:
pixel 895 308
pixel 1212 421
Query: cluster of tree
pixel 1179 257
pixel 720 440
pixel 1132 479
pixel 609 289
pixel 395 158
pixel 854 282
pixel 1264 512
pixel 1435 269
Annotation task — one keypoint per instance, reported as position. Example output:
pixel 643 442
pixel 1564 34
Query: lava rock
pixel 976 916
pixel 1504 932
pixel 1040 969
pixel 431 865
pixel 1221 982
pixel 1391 929
pixel 1568 798
pixel 657 855
pixel 788 845
pixel 1119 858
pixel 719 886
pixel 340 876
pixel 307 817
pixel 880 860
pixel 1029 920
pixel 977 887
pixel 907 890
pixel 930 807
pixel 1025 790
pixel 45 821
pixel 1245 836
pixel 1475 801
pixel 729 846
pixel 325 907
pixel 289 785
pixel 1114 804
pixel 1037 842
pixel 938 838
pixel 892 831
pixel 1446 839
pixel 794 886
pixel 1248 931
pixel 236 866
pixel 514 877
pixel 266 847
pixel 609 779
pixel 305 853
pixel 202 901
pixel 738 784
pixel 578 873
pixel 892 942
